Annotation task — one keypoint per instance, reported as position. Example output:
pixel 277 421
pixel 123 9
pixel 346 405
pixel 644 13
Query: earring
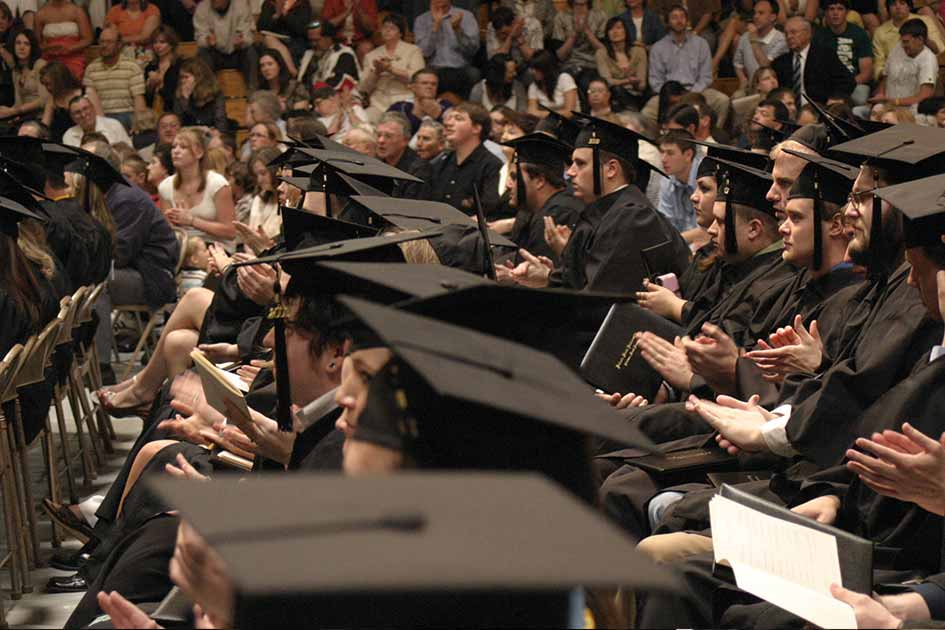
pixel 331 366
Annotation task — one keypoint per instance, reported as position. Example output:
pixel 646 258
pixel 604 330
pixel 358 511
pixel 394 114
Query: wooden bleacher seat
pixel 726 85
pixel 232 83
pixel 236 109
pixel 186 50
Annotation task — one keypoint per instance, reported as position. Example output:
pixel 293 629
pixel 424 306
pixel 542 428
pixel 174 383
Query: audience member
pixel 64 33
pixel 263 135
pixel 599 100
pixel 898 116
pixel 196 263
pixel 163 72
pixel 500 87
pixel 886 36
pixel 761 43
pixel 338 65
pixel 449 37
pixel 911 69
pixel 199 100
pixel 265 223
pixel 160 167
pixel 23 11
pixel 423 104
pixel 355 21
pixel 274 76
pixel 242 183
pixel 167 126
pixel 787 97
pixel 700 15
pixel 553 88
pixel 362 139
pixel 7 33
pixel 580 32
pixel 681 163
pixel 83 115
pixel 305 127
pixel 135 20
pixel 195 198
pixel 388 69
pixel 29 95
pixel 622 64
pixel 283 25
pixel 393 135
pixel 224 33
pixel 541 10
pixel 469 164
pixel 118 82
pixel 852 46
pixel 642 24
pixel 337 111
pixel 517 36
pixel 810 68
pixel 33 129
pixel 431 141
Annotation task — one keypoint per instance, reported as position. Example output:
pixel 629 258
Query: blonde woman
pixel 196 198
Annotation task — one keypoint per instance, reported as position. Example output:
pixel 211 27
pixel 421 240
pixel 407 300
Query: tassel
pixel 878 262
pixel 818 224
pixel 521 195
pixel 594 141
pixel 731 239
pixel 283 386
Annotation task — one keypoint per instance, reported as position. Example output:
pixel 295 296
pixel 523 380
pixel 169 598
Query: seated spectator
pixel 355 21
pixel 393 135
pixel 683 57
pixel 821 72
pixel 898 116
pixel 118 82
pixel 886 36
pixel 304 126
pixel 265 222
pixel 195 198
pixel 580 32
pixel 599 100
pixel 242 183
pixel 701 15
pixel 683 117
pixel 761 43
pixel 518 36
pixel 807 115
pixel 193 272
pixel 644 27
pixel 499 122
pixel 64 33
pixel 274 76
pixel 430 140
pixel 163 72
pixel 33 129
pixel 22 11
pixel 308 64
pixel 449 38
pixel 338 66
pixel 135 171
pixel 288 19
pixel 786 96
pixel 469 165
pixel 168 124
pixel 763 82
pixel 160 167
pixel 518 124
pixel 680 161
pixel 622 65
pixel 217 158
pixel 500 87
pixel 337 111
pixel 423 103
pixel 264 135
pixel 911 69
pixel 389 68
pixel 29 95
pixel 852 45
pixel 767 117
pixel 224 32
pixel 83 115
pixel 553 88
pixel 199 100
pixel 145 131
pixel 362 139
pixel 135 20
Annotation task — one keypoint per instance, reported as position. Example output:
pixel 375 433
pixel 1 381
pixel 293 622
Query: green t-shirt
pixel 851 45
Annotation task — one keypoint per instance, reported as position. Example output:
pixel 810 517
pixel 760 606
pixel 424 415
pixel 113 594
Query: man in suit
pixel 809 67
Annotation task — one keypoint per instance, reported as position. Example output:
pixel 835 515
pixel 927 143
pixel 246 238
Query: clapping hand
pixel 738 422
pixel 257 240
pixel 789 350
pixel 556 236
pixel 669 359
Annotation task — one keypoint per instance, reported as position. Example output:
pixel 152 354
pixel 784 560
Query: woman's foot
pixel 124 403
pixel 117 387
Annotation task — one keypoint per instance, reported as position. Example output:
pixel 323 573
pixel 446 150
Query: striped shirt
pixel 115 85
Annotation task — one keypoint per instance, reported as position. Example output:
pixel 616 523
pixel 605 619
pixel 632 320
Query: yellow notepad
pixel 218 385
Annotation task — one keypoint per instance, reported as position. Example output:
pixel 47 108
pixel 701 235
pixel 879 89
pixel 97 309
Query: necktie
pixel 798 76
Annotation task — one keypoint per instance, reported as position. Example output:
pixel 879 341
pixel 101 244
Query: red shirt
pixel 367 9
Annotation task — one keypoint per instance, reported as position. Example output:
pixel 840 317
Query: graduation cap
pixel 564 129
pixel 300 226
pixel 13 189
pixel 296 153
pixel 462 246
pixel 459 379
pixel 602 135
pixel 408 214
pixel 708 166
pixel 11 213
pixel 76 160
pixel 822 179
pixel 412 549
pixel 537 148
pixel 838 129
pixel 745 185
pixel 772 136
pixel 922 202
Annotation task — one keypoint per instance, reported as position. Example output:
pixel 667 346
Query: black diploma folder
pixel 855 553
pixel 612 362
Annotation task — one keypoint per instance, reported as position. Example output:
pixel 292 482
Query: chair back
pixel 84 315
pixel 182 240
pixel 72 307
pixel 8 370
pixel 34 369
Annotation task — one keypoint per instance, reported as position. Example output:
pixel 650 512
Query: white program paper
pixel 787 564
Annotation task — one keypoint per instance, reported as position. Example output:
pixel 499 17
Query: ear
pixel 836 229
pixel 754 229
pixel 610 169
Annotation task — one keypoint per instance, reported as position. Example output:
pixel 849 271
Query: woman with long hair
pixel 28 90
pixel 763 81
pixel 274 76
pixel 290 19
pixel 64 33
pixel 622 64
pixel 500 87
pixel 163 72
pixel 62 87
pixel 196 198
pixel 552 88
pixel 199 100
pixel 265 222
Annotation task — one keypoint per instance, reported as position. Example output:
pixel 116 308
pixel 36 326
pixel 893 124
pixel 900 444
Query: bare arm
pixel 147 29
pixel 222 227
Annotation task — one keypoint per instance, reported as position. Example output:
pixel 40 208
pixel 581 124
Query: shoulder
pixel 215 181
pixel 109 123
pixel 566 81
pixel 166 187
pixel 152 10
pixel 116 13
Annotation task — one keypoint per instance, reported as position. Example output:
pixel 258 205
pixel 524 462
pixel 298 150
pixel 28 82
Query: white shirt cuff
pixel 937 351
pixel 774 432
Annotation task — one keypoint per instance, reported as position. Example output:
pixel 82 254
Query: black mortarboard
pixel 822 179
pixel 461 246
pixel 708 166
pixel 300 226
pixel 408 214
pixel 76 160
pixel 14 189
pixel 922 202
pixel 814 137
pixel 602 135
pixel 537 148
pixel 564 129
pixel 838 129
pixel 11 213
pixel 411 549
pixel 745 185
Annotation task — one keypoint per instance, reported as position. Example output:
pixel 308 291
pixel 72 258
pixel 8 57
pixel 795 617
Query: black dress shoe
pixel 69 584
pixel 68 560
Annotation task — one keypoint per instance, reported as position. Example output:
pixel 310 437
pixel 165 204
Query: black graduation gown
pixel 701 278
pixel 228 310
pixel 606 256
pixel 81 243
pixel 528 231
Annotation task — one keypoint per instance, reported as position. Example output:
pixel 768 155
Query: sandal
pixel 141 410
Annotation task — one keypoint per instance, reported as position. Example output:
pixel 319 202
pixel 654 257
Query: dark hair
pixel 841 110
pixel 502 16
pixel 914 27
pixel 41 129
pixel 681 138
pixel 284 77
pixel 553 176
pixel 323 92
pixel 305 128
pixel 775 7
pixel 143 5
pixel 936 253
pixel 546 62
pixel 497 88
pixel 626 167
pixel 844 3
pixel 163 155
pixel 684 115
pixel 523 120
pixel 669 90
pixel 167 33
pixel 397 20
pixel 19 280
pixel 780 109
pixel 35 52
pixel 678 7
pixel 422 71
pixel 6 12
pixel 319 317
pixel 61 79
pixel 908 2
pixel 478 115
pixel 747 213
pixel 266 155
pixel 241 176
pixel 609 45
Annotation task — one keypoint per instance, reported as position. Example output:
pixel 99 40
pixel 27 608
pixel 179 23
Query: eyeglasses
pixel 858 198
